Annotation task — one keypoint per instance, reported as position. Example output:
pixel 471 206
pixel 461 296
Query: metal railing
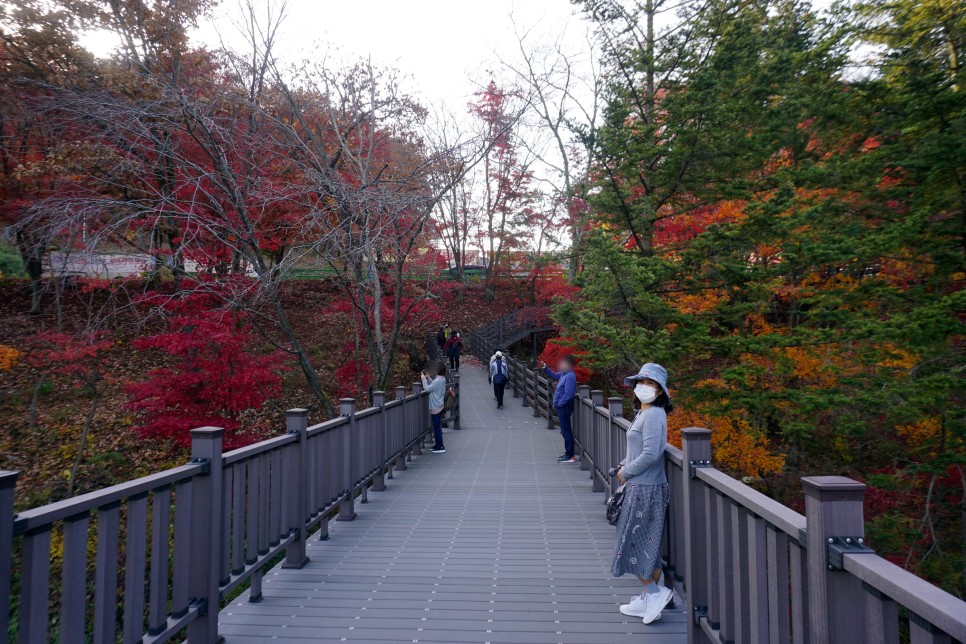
pixel 750 568
pixel 170 547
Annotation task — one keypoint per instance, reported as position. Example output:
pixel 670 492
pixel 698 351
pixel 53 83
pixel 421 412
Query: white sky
pixel 445 47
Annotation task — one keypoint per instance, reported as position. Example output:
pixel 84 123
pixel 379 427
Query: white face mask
pixel 645 393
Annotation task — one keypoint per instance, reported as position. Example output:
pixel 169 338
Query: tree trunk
pixel 308 371
pixel 85 432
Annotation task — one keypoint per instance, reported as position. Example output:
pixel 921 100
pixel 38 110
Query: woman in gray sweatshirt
pixel 435 384
pixel 646 494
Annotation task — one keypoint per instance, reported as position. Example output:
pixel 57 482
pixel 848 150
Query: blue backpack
pixel 502 372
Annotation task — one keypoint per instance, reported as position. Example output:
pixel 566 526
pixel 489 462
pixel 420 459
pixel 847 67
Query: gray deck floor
pixel 491 542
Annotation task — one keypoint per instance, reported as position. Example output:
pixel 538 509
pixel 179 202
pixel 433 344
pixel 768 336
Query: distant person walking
pixel 435 383
pixel 489 378
pixel 563 402
pixel 453 348
pixel 447 332
pixel 646 494
pixel 499 375
pixel 441 337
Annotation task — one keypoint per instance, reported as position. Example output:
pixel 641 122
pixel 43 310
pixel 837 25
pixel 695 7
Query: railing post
pixel 526 383
pixel 581 430
pixel 8 487
pixel 456 401
pixel 833 510
pixel 206 536
pixel 550 404
pixel 615 407
pixel 401 459
pixel 347 507
pixel 421 435
pixel 536 393
pixel 379 400
pixel 696 450
pixel 597 396
pixel 296 422
pixel 514 377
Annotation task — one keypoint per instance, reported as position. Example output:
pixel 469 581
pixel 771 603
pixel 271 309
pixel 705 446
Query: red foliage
pixel 351 374
pixel 214 376
pixel 67 354
pixel 556 348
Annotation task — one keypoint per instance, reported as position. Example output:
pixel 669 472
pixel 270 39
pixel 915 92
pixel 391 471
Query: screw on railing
pixel 379 400
pixel 206 535
pixel 833 508
pixel 404 414
pixel 696 448
pixel 296 422
pixel 8 486
pixel 347 507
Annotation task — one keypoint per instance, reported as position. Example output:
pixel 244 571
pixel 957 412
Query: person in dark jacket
pixel 453 348
pixel 441 337
pixel 499 375
pixel 563 402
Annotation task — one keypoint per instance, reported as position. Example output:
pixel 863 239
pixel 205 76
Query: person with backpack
pixel 453 348
pixel 499 376
pixel 441 337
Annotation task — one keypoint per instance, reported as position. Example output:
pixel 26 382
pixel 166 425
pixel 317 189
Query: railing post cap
pixel 398 387
pixel 696 433
pixel 207 432
pixel 297 411
pixel 833 488
pixel 613 399
pixel 8 478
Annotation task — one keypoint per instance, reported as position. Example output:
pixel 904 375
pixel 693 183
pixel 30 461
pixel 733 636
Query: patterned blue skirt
pixel 639 530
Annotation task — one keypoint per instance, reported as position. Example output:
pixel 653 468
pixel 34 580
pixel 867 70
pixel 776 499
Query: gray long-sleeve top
pixel 646 442
pixel 437 392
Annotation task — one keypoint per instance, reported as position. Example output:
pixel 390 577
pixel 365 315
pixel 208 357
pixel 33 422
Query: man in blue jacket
pixel 563 401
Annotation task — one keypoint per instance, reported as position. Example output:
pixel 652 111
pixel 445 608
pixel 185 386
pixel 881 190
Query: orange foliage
pixel 8 357
pixel 736 446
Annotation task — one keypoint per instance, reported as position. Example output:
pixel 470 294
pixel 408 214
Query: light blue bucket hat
pixel 652 371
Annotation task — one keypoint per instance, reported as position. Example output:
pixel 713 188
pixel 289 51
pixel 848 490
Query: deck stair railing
pixel 150 558
pixel 751 569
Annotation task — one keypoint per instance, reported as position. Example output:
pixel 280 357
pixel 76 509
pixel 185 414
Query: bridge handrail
pixel 752 569
pixel 214 523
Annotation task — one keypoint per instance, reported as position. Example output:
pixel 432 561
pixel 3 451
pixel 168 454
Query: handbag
pixel 614 504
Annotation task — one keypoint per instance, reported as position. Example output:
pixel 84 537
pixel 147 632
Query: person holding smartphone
pixel 563 402
pixel 434 382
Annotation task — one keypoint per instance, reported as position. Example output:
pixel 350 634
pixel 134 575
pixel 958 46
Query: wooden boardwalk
pixel 493 541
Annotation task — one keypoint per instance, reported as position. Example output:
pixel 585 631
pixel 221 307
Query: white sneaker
pixel 636 607
pixel 655 604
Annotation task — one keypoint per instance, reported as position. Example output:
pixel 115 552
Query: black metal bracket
pixel 693 466
pixel 201 603
pixel 698 613
pixel 838 547
pixel 205 464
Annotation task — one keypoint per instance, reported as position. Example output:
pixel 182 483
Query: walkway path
pixel 491 542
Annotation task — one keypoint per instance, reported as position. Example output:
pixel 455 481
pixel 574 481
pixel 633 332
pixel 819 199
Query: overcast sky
pixel 444 46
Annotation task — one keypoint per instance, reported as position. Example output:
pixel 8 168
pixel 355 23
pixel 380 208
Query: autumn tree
pixel 505 178
pixel 563 91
